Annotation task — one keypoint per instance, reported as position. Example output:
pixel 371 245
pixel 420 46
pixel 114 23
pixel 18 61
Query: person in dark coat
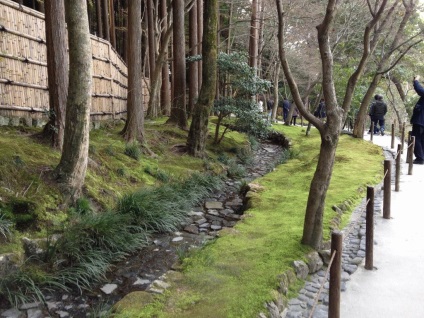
pixel 417 121
pixel 286 108
pixel 294 115
pixel 320 111
pixel 377 112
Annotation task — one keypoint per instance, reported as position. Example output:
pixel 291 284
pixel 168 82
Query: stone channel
pixel 145 270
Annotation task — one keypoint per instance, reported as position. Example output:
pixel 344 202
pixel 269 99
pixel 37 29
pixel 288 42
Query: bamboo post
pixel 408 150
pixel 387 188
pixel 335 275
pixel 369 233
pixel 397 176
pixel 403 136
pixel 411 147
pixel 393 136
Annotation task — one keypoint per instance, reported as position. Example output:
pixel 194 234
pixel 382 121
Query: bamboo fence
pixel 24 95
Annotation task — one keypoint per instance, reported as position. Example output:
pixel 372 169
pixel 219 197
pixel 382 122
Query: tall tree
pixel 99 18
pixel 134 126
pixel 70 173
pixel 165 96
pixel 105 19
pixel 151 36
pixel 57 69
pixel 193 66
pixel 199 126
pixel 178 109
pixel 254 35
pixel 330 130
pixel 112 23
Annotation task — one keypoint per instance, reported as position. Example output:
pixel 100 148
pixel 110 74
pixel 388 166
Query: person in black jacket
pixel 417 121
pixel 377 112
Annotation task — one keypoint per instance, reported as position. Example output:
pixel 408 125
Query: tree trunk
pixel 70 173
pixel 178 110
pixel 198 134
pixel 112 24
pixel 193 66
pixel 253 39
pixel 125 30
pixel 134 126
pixel 99 18
pixel 151 38
pixel 105 19
pixel 358 129
pixel 276 97
pixel 165 96
pixel 199 36
pixel 57 69
pixel 155 79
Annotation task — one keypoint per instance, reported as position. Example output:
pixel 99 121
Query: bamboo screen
pixel 23 69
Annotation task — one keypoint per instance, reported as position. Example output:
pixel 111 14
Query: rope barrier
pixel 322 284
pixel 385 174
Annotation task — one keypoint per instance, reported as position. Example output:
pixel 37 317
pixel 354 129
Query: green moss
pixel 238 273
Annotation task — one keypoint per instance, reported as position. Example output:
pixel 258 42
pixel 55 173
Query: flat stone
pixel 12 313
pixel 177 239
pixel 62 314
pixel 201 221
pixel 29 305
pixel 214 205
pixel 216 227
pixel 192 229
pixel 109 288
pixel 141 281
pixel 34 313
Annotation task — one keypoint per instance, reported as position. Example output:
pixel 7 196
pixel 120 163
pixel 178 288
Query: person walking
pixel 417 121
pixel 320 111
pixel 377 112
pixel 294 116
pixel 286 108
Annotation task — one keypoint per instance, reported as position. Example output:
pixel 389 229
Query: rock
pixel 191 229
pixel 141 281
pixel 7 263
pixel 314 262
pixel 32 248
pixel 62 314
pixel 301 269
pixel 109 288
pixel 325 256
pixel 34 313
pixel 12 313
pixel 177 239
pixel 29 305
pixel 214 205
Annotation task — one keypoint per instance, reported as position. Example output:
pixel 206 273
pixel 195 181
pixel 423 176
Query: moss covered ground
pixel 235 275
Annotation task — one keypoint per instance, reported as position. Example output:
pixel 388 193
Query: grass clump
pixel 162 209
pixel 133 150
pixel 6 227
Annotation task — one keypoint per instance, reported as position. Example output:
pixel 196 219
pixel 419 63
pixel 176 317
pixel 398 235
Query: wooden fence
pixel 24 96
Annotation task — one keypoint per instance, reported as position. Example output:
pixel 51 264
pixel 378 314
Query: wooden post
pixel 335 275
pixel 393 136
pixel 411 147
pixel 403 136
pixel 387 188
pixel 369 233
pixel 372 131
pixel 397 176
pixel 408 150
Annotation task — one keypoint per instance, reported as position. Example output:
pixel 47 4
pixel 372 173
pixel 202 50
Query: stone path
pixel 145 271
